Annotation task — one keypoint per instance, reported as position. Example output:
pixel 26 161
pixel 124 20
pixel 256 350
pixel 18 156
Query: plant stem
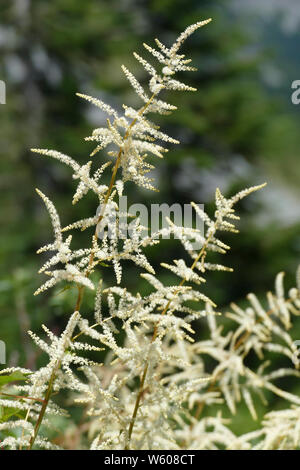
pixel 44 407
pixel 51 382
pixel 21 397
pixel 137 404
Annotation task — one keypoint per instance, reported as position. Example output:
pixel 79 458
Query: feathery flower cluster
pixel 25 402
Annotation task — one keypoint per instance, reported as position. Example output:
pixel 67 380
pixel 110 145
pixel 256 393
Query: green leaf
pixel 6 413
pixel 15 376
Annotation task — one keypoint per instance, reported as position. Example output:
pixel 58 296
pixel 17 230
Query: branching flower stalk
pixel 156 90
pixel 238 344
pixel 200 259
pixel 142 381
pixel 89 269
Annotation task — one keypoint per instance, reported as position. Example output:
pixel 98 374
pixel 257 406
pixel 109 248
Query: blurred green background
pixel 239 129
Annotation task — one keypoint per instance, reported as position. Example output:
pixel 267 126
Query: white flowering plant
pixel 154 383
